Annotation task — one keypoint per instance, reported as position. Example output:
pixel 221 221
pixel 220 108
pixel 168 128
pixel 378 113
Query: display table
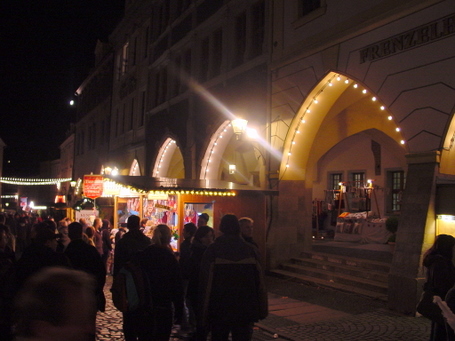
pixel 356 227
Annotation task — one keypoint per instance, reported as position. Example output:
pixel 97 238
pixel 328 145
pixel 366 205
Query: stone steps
pixel 361 276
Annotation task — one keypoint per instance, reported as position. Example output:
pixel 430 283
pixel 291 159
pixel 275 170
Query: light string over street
pixel 32 181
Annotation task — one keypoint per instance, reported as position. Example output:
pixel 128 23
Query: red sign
pixel 93 186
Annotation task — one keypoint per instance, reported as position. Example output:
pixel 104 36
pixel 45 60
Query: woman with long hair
pixel 440 276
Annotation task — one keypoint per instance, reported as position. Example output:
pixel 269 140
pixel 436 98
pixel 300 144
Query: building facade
pixel 333 92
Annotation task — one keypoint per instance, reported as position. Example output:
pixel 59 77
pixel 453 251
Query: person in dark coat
pixel 131 243
pixel 440 276
pixel 97 238
pixel 86 258
pixel 189 229
pixel 107 242
pixel 162 268
pixel 232 293
pixel 40 254
pixel 203 237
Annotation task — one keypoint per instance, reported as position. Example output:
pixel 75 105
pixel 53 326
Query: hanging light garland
pixel 162 155
pixel 306 114
pixel 32 181
pixel 204 192
pixel 213 145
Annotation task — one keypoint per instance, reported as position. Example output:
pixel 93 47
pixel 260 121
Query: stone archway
pixel 232 159
pixel 338 114
pixel 169 161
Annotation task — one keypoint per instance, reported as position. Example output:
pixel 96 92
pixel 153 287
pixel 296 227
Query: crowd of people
pixel 213 287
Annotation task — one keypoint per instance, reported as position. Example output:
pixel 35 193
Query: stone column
pixel 291 230
pixel 415 232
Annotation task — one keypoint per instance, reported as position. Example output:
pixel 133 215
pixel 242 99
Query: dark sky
pixel 47 49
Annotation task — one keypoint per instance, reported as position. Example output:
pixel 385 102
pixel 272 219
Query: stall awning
pixel 144 184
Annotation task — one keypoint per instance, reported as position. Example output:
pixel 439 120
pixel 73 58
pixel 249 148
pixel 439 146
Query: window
pixel 335 179
pixel 240 39
pixel 397 184
pixel 116 123
pixel 146 42
pixel 131 121
pixel 142 113
pixel 176 79
pixel 308 6
pixel 124 59
pixel 217 53
pixel 186 69
pixel 257 29
pixel 358 179
pixel 124 118
pixel 203 66
pixel 133 57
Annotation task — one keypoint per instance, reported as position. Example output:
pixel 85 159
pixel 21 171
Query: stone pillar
pixel 291 231
pixel 415 232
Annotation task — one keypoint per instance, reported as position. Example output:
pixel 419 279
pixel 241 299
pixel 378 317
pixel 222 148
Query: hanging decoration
pixel 32 181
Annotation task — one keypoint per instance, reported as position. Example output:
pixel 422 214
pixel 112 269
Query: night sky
pixel 47 49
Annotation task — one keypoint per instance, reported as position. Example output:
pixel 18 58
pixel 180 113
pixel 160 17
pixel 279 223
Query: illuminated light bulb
pixel 373 99
pixel 315 101
pixel 346 81
pixel 397 129
pixel 221 136
pixel 215 144
pixel 308 110
pixel 330 84
pixel 338 78
pixel 289 153
pixel 390 118
pixel 402 141
pixel 303 121
pixel 298 131
pixel 364 91
pixel 287 165
pixel 293 142
pixel 356 86
pixel 382 107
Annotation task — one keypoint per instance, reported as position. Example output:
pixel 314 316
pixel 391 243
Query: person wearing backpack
pixel 130 244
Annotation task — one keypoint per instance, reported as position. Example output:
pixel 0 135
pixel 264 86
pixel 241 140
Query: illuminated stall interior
pixel 175 202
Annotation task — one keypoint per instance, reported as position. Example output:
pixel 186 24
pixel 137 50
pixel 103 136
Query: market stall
pixel 177 201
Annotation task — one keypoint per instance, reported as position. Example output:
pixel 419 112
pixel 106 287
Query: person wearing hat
pixel 203 219
pixel 40 253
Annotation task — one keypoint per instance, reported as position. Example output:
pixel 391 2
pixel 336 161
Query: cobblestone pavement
pixel 300 312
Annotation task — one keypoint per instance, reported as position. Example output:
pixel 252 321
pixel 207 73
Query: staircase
pixel 362 276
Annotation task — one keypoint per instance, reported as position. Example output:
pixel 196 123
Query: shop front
pixel 175 202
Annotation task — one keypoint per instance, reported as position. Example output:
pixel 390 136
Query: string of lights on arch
pixel 161 156
pixel 32 181
pixel 314 101
pixel 219 135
